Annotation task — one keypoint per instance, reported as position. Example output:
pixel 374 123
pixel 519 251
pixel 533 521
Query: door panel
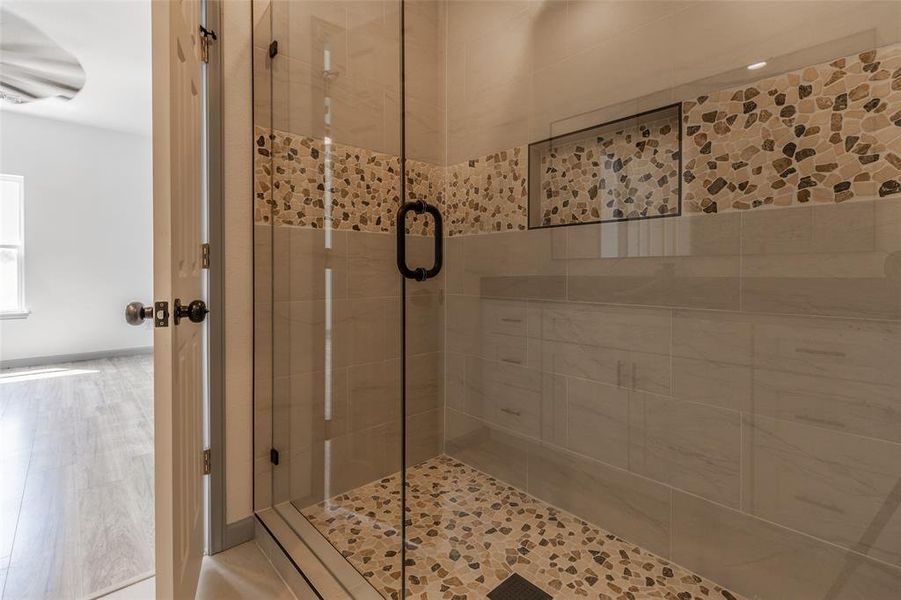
pixel 177 275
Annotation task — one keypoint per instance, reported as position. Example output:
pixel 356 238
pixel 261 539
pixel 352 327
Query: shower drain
pixel 517 587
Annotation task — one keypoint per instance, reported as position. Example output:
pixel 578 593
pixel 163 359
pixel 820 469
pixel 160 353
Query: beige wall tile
pixel 455 381
pixel 317 411
pixel 690 446
pixel 300 334
pixel 629 328
pixel 832 373
pixel 496 263
pixel 425 382
pixel 834 486
pixel 363 456
pixel 493 329
pixel 507 395
pixel 374 394
pixel 425 436
pixel 488 449
pixel 763 560
pixel 424 323
pixel 610 365
pixel 372 265
pixel 824 260
pixel 374 329
pixel 712 358
pixel 627 505
pixel 597 421
pixel 554 420
pixel 681 262
pixel 314 260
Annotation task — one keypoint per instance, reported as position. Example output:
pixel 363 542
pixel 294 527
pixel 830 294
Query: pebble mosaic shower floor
pixel 467 532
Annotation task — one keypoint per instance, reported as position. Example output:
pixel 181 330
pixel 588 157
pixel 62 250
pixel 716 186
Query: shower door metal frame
pixel 221 535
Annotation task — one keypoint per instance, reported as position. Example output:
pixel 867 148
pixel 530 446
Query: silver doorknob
pixel 135 313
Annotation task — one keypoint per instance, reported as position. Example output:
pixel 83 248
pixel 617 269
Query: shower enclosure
pixel 602 298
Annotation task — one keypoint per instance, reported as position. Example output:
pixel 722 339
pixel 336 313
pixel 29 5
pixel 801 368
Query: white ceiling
pixel 111 38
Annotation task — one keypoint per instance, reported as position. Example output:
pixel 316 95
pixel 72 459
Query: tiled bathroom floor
pixel 467 532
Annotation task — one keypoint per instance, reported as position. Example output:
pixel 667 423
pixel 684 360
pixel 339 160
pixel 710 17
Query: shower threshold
pixel 467 532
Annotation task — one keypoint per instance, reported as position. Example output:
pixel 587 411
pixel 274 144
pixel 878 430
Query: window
pixel 12 246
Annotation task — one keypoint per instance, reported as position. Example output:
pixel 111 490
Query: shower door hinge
pixel 273 456
pixel 207 461
pixel 205 256
pixel 207 37
pixel 273 48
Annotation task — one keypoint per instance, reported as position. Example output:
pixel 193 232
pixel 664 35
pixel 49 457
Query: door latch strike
pixel 207 461
pixel 160 314
pixel 205 256
pixel 273 456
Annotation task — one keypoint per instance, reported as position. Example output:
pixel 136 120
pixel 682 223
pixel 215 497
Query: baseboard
pixel 238 532
pixel 279 558
pixel 40 361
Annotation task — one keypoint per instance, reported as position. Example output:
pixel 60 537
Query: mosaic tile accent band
pixel 297 175
pixel 489 193
pixel 467 532
pixel 611 172
pixel 826 133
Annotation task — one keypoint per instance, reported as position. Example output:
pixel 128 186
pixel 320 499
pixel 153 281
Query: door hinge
pixel 273 456
pixel 205 256
pixel 160 314
pixel 207 37
pixel 273 48
pixel 207 462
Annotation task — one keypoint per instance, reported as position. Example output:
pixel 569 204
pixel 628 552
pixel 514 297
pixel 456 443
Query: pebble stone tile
pixel 467 532
pixel 628 173
pixel 294 172
pixel 826 133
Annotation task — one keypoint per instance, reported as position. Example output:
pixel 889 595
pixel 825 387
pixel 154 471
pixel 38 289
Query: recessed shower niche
pixel 620 170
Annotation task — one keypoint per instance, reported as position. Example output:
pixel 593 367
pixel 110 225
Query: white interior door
pixel 178 348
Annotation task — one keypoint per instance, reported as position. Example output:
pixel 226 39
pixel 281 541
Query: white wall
pixel 88 236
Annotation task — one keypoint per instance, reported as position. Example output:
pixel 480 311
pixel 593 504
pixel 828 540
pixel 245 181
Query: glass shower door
pixel 332 150
pixel 667 330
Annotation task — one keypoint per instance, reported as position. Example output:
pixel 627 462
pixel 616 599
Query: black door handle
pixel 420 273
pixel 195 312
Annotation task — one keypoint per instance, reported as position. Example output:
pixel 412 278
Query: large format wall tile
pixel 689 446
pixel 764 560
pixel 837 487
pixel 825 260
pixel 425 436
pixel 629 506
pixel 425 382
pixel 621 368
pixel 834 373
pixel 372 266
pixel 374 394
pixel 509 396
pixel 712 358
pixel 626 347
pixel 513 265
pixel 487 448
pixel 317 267
pixel 686 262
pixel 597 421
